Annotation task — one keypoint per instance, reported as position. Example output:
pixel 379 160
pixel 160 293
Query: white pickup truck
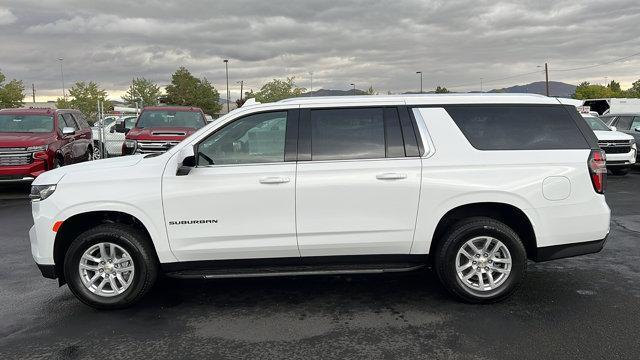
pixel 470 185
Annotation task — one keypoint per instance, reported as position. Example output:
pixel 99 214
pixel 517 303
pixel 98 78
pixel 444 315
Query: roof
pixel 173 108
pixel 33 111
pixel 424 99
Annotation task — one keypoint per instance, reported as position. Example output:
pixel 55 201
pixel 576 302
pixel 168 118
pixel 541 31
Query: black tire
pixel 130 239
pixel 457 236
pixel 619 171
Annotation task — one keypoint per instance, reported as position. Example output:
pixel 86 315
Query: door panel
pixel 358 207
pixel 250 218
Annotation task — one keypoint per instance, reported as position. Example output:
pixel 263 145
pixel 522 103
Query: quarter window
pixel 517 127
pixel 257 138
pixel 636 123
pixel 339 134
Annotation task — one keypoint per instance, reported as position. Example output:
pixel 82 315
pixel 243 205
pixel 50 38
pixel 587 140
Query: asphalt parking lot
pixel 586 307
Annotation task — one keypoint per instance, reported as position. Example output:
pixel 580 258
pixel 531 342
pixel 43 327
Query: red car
pixel 159 128
pixel 33 141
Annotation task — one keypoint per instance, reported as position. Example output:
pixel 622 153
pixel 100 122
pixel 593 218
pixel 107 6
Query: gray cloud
pixel 378 43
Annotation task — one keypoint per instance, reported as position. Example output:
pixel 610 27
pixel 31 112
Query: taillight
pixel 598 170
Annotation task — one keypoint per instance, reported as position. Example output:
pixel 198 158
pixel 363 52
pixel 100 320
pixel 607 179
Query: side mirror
pixel 188 162
pixel 637 129
pixel 67 130
pixel 614 128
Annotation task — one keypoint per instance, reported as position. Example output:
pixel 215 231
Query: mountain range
pixel 556 88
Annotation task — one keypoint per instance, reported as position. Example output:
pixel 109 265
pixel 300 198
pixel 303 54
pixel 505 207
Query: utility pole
pixel 241 86
pixel 311 91
pixel 546 76
pixel 33 92
pixel 420 72
pixel 226 67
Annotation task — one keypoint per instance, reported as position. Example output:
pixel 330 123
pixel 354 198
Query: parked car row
pixel 29 146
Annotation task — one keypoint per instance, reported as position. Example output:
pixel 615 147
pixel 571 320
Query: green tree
pixel 634 90
pixel 276 90
pixel 144 91
pixel 442 90
pixel 84 97
pixel 588 91
pixel 371 91
pixel 11 93
pixel 187 90
pixel 614 86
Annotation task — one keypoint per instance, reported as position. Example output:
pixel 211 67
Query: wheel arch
pixel 509 214
pixel 75 225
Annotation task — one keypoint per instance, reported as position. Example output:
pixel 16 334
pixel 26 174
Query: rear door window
pixel 517 127
pixel 341 134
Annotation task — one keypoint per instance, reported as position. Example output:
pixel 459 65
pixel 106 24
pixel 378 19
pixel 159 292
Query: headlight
pixel 37 148
pixel 130 144
pixel 41 192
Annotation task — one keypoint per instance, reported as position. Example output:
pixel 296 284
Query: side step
pixel 273 271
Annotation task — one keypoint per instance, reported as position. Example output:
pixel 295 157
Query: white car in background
pixel 112 138
pixel 619 147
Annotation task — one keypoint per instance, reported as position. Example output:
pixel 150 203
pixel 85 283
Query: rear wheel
pixel 111 266
pixel 481 260
pixel 58 162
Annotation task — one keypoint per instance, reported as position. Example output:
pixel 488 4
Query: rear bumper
pixel 569 250
pixel 23 171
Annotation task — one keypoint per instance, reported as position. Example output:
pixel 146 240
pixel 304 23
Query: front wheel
pixel 481 260
pixel 111 266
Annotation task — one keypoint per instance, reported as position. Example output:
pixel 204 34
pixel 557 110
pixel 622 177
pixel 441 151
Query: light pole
pixel 64 94
pixel 354 88
pixel 481 85
pixel 420 72
pixel 311 91
pixel 226 69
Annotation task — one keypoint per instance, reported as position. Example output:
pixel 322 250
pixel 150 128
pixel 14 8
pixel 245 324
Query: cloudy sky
pixel 366 42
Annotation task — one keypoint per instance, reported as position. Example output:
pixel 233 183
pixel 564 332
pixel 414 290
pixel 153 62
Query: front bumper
pixel 569 250
pixel 15 172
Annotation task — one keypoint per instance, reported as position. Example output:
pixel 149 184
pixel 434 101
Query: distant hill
pixel 556 88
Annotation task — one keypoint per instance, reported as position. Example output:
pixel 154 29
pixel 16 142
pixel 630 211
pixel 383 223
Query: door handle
pixel 274 180
pixel 391 176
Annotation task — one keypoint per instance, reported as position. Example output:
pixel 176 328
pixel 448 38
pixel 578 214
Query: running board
pixel 258 272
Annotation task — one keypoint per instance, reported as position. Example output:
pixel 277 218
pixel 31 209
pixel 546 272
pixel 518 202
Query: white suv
pixel 471 185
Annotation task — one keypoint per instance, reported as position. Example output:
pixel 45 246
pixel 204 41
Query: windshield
pixel 596 124
pixel 26 123
pixel 163 118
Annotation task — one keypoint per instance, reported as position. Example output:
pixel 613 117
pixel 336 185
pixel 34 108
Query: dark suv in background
pixel 626 123
pixel 33 141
